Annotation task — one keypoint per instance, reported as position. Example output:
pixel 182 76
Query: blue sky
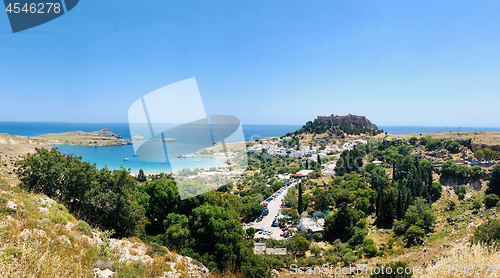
pixel 432 63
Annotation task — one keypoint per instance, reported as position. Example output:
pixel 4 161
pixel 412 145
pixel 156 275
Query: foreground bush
pixel 487 233
pixel 106 199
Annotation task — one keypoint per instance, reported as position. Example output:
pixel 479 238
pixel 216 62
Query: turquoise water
pixel 433 129
pixel 112 157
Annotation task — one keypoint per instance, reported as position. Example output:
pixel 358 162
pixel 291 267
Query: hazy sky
pixel 398 62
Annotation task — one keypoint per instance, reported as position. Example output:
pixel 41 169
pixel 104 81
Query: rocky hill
pixel 105 132
pixel 101 138
pixel 340 126
pixel 349 119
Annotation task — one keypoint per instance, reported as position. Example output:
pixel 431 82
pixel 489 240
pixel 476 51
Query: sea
pixel 113 157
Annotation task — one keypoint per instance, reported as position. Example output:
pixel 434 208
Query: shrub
pixel 462 189
pixel 399 228
pixel 452 146
pixel 413 140
pixel 349 257
pixel 436 189
pixel 371 250
pixel 476 204
pixel 394 266
pixel 315 250
pixel 451 205
pixel 476 172
pixel 433 144
pixel 491 200
pixel 423 140
pixel 487 233
pixel 414 234
pixel 129 270
pixel 390 243
pixel 108 199
pixel 85 228
pixel 311 261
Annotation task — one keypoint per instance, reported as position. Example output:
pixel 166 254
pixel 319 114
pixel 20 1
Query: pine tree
pixel 141 177
pixel 299 209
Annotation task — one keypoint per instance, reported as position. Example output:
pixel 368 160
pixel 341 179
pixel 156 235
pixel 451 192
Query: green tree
pixel 290 200
pixel 414 234
pixel 462 189
pixel 340 225
pixel 494 181
pixel 491 200
pixel 255 267
pixel 105 199
pixel 476 204
pixel 216 234
pixel 433 144
pixel 300 207
pixel 399 228
pixel 141 177
pixel 251 211
pixel 423 140
pixel 301 243
pixel 476 172
pixel 322 199
pixel 478 153
pixel 250 232
pixel 371 250
pixel 420 214
pixel 436 190
pixel 163 200
pixel 413 140
pixel 487 233
pixel 452 146
pixel 177 231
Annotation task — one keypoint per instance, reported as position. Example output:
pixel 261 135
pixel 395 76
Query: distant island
pixel 101 138
pixel 20 145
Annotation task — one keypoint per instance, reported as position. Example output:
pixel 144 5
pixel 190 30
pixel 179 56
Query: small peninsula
pixel 101 138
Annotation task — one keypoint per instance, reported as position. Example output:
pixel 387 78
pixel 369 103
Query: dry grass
pixel 42 252
pixel 478 256
pixel 42 255
pixel 490 138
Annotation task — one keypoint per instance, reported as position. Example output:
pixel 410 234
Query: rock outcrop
pixel 137 137
pixel 349 119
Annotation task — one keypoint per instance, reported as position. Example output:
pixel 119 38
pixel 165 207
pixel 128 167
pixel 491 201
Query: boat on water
pixel 197 161
pixel 126 159
pixel 180 156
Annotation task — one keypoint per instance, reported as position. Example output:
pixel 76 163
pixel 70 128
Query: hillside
pixel 339 126
pixel 39 238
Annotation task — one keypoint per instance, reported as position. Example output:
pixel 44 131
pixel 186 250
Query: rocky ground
pixel 39 238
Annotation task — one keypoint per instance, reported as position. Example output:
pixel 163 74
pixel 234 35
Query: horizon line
pixel 378 125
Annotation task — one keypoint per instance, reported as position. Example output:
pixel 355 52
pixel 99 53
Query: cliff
pixel 349 119
pixel 340 126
